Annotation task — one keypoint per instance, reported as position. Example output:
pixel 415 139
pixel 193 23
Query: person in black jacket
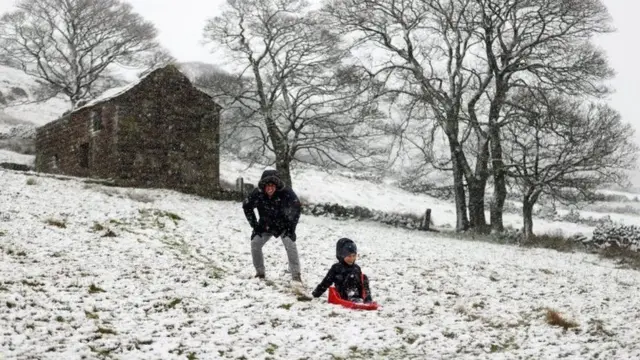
pixel 279 211
pixel 349 280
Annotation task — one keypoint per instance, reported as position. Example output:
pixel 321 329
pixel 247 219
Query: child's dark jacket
pixel 345 277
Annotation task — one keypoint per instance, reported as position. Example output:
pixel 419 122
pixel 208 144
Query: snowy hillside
pixel 315 185
pixel 91 271
pixel 17 91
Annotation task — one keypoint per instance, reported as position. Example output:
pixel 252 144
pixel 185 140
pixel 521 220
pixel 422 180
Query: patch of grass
pixel 597 328
pixel 555 241
pixel 103 352
pixel 172 304
pixel 509 344
pixel 32 181
pixel 106 331
pixel 31 283
pixel 447 334
pixel 59 318
pixel 192 356
pixel 626 257
pixel 285 306
pixel 91 315
pixel 410 339
pixel 10 304
pixel 2 233
pixel 109 233
pixel 271 348
pixel 58 223
pixel 172 216
pixel 93 289
pixel 554 318
pixel 97 227
pixel 216 273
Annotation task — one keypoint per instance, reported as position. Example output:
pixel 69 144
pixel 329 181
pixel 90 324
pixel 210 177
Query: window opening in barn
pixel 96 119
pixel 55 161
pixel 84 155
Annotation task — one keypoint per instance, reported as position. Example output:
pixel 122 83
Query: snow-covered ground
pixel 16 158
pixel 175 280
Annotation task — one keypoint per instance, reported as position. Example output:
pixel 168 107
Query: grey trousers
pixel 258 242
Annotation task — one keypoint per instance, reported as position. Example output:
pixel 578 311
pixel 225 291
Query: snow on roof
pixel 114 92
pixel 117 91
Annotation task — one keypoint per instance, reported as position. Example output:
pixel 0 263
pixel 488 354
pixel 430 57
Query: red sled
pixel 334 298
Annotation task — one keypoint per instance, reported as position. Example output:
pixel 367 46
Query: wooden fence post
pixel 426 221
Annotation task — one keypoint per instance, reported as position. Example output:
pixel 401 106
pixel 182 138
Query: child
pixel 346 275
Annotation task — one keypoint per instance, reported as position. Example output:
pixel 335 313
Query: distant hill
pixel 17 100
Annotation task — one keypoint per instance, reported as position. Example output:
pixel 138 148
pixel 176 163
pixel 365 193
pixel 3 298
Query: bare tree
pixel 429 50
pixel 541 44
pixel 70 43
pixel 559 147
pixel 307 98
pixel 155 58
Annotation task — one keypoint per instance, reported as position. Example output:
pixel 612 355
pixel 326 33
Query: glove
pixel 315 294
pixel 257 230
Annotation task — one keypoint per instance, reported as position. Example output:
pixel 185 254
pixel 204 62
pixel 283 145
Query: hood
pixel 270 176
pixel 345 247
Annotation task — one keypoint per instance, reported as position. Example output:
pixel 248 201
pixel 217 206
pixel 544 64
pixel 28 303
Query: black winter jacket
pixel 279 214
pixel 346 278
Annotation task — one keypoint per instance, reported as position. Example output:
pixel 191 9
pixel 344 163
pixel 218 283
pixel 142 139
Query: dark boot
pixel 260 276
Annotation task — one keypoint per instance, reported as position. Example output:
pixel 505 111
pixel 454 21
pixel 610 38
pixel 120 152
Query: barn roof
pixel 117 91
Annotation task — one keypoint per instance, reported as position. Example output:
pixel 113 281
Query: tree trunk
pixel 499 181
pixel 477 187
pixel 497 164
pixel 528 200
pixel 459 165
pixel 527 218
pixel 476 205
pixel 462 222
pixel 283 159
pixel 283 166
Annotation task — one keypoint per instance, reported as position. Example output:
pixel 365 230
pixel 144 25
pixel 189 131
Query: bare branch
pixel 70 43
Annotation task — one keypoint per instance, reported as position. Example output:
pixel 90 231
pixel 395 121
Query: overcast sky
pixel 180 23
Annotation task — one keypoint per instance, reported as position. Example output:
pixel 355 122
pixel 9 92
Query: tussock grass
pixel 58 223
pixel 554 318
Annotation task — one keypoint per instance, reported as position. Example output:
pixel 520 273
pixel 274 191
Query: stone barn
pixel 160 132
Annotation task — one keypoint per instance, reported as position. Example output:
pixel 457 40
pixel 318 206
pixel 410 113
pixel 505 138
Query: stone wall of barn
pixel 82 143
